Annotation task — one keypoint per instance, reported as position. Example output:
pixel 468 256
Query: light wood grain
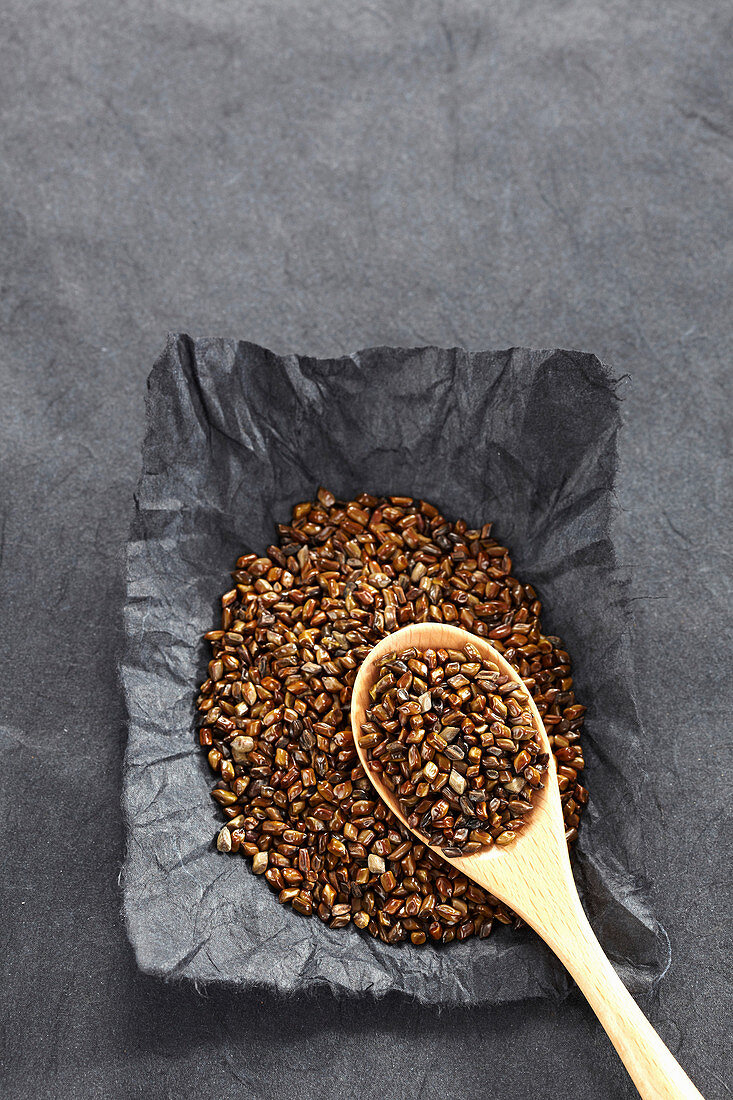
pixel 533 876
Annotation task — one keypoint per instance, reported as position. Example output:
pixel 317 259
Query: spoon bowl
pixel 506 872
pixel 532 875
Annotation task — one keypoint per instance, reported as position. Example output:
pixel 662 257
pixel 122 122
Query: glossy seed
pixel 259 863
pixel 443 786
pixel 274 714
pixel 224 840
pixel 240 746
pixel 376 865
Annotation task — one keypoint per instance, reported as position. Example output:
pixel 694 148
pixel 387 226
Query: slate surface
pixel 324 180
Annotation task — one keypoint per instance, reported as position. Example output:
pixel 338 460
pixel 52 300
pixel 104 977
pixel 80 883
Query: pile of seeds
pixel 454 739
pixel 295 627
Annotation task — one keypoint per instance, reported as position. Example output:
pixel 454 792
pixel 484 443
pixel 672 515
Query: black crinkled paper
pixel 236 436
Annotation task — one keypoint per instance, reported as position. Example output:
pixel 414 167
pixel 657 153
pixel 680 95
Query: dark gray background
pixel 321 177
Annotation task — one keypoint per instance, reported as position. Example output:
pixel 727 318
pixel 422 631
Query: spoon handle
pixel 655 1072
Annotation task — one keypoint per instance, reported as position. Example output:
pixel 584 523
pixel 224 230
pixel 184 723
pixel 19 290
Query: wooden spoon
pixel 532 875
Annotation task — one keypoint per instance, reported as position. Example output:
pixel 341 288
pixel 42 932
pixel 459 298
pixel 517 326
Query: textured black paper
pixel 236 436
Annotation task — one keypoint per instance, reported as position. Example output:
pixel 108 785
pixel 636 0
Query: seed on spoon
pixel 463 757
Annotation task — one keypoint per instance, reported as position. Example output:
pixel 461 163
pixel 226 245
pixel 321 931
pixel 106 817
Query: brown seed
pixel 240 746
pixel 224 798
pixel 295 628
pixel 457 781
pixel 448 913
pixel 505 837
pixel 302 904
pixel 463 767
